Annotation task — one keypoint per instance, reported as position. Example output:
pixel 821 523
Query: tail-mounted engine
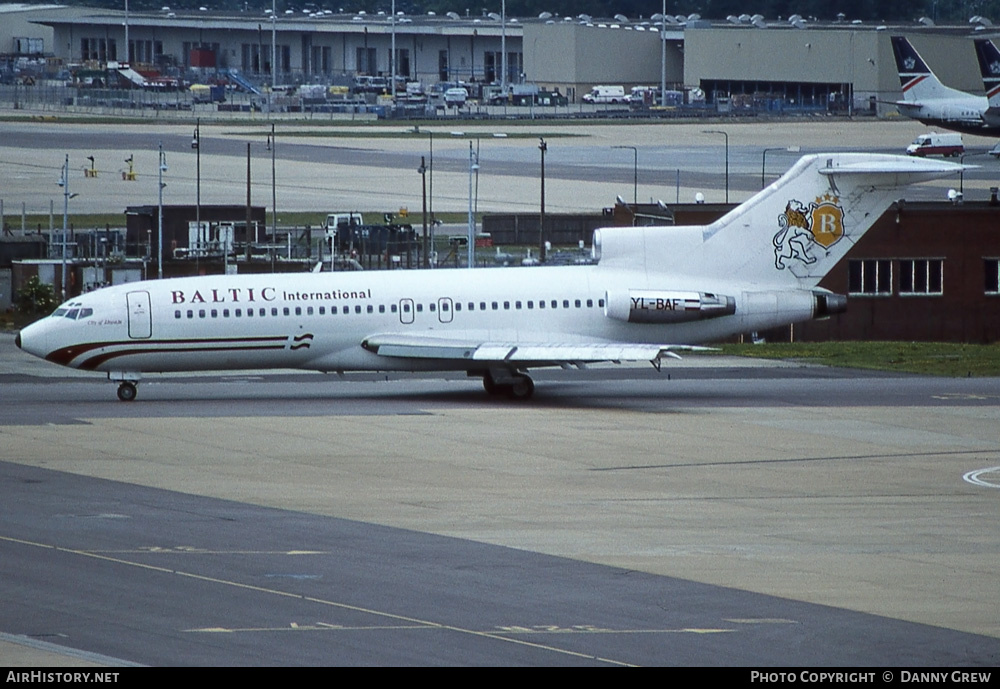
pixel 828 304
pixel 661 306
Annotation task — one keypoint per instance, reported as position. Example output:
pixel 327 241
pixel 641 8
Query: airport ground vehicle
pixel 455 97
pixel 948 144
pixel 606 94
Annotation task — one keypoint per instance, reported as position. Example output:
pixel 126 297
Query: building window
pixel 921 276
pixel 991 267
pixel 870 276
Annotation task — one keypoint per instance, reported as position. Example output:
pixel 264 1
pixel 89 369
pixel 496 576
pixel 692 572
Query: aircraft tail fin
pixel 790 234
pixel 916 79
pixel 989 68
pixel 796 230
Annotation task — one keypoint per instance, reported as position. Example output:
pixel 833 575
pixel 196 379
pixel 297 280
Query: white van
pixel 934 144
pixel 455 97
pixel 606 94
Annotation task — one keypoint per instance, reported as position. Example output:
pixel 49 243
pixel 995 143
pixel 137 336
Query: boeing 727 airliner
pixel 651 291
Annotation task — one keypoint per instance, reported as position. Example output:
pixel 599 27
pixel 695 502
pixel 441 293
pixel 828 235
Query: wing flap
pixel 417 347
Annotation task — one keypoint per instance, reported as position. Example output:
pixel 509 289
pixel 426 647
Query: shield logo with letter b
pixel 827 226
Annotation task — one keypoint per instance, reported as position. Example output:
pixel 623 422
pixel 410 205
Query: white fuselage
pixel 320 321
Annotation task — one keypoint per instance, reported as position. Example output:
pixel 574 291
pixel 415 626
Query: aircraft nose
pixel 33 340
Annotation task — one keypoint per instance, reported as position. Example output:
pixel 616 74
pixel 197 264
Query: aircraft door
pixel 406 311
pixel 445 310
pixel 140 319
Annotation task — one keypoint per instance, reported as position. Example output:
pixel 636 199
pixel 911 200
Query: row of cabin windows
pixel 406 307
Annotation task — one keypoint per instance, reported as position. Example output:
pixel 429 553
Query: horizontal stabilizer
pixel 902 171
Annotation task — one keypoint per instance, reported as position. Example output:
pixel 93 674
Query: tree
pixel 36 297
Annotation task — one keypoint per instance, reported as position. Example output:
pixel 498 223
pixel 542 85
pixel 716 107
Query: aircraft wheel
pixel 522 388
pixel 492 387
pixel 126 391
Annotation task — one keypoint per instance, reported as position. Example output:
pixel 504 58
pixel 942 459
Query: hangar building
pixel 843 66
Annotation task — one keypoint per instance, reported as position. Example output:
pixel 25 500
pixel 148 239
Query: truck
pixel 606 94
pixel 932 143
pixel 339 222
pixel 208 93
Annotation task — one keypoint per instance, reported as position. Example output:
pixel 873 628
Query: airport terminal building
pixel 767 64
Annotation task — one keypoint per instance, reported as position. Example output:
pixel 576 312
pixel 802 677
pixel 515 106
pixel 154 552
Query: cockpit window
pixel 73 311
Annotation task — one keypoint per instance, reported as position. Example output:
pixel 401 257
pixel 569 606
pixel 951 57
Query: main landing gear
pixel 513 384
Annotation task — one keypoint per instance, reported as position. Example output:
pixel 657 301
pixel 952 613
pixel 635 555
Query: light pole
pixel 430 167
pixel 274 57
pixel 961 173
pixel 272 144
pixel 392 51
pixel 719 131
pixel 473 168
pixel 422 170
pixel 196 145
pixel 763 159
pixel 128 58
pixel 543 147
pixel 159 216
pixel 503 48
pixel 635 173
pixel 663 56
pixel 64 183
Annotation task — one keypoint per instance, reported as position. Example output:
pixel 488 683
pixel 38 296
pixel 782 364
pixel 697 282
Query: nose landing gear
pixel 126 384
pixel 126 391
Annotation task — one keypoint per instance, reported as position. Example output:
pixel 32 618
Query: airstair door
pixel 140 320
pixel 445 310
pixel 406 311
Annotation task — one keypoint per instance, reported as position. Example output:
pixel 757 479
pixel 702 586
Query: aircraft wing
pixel 418 347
